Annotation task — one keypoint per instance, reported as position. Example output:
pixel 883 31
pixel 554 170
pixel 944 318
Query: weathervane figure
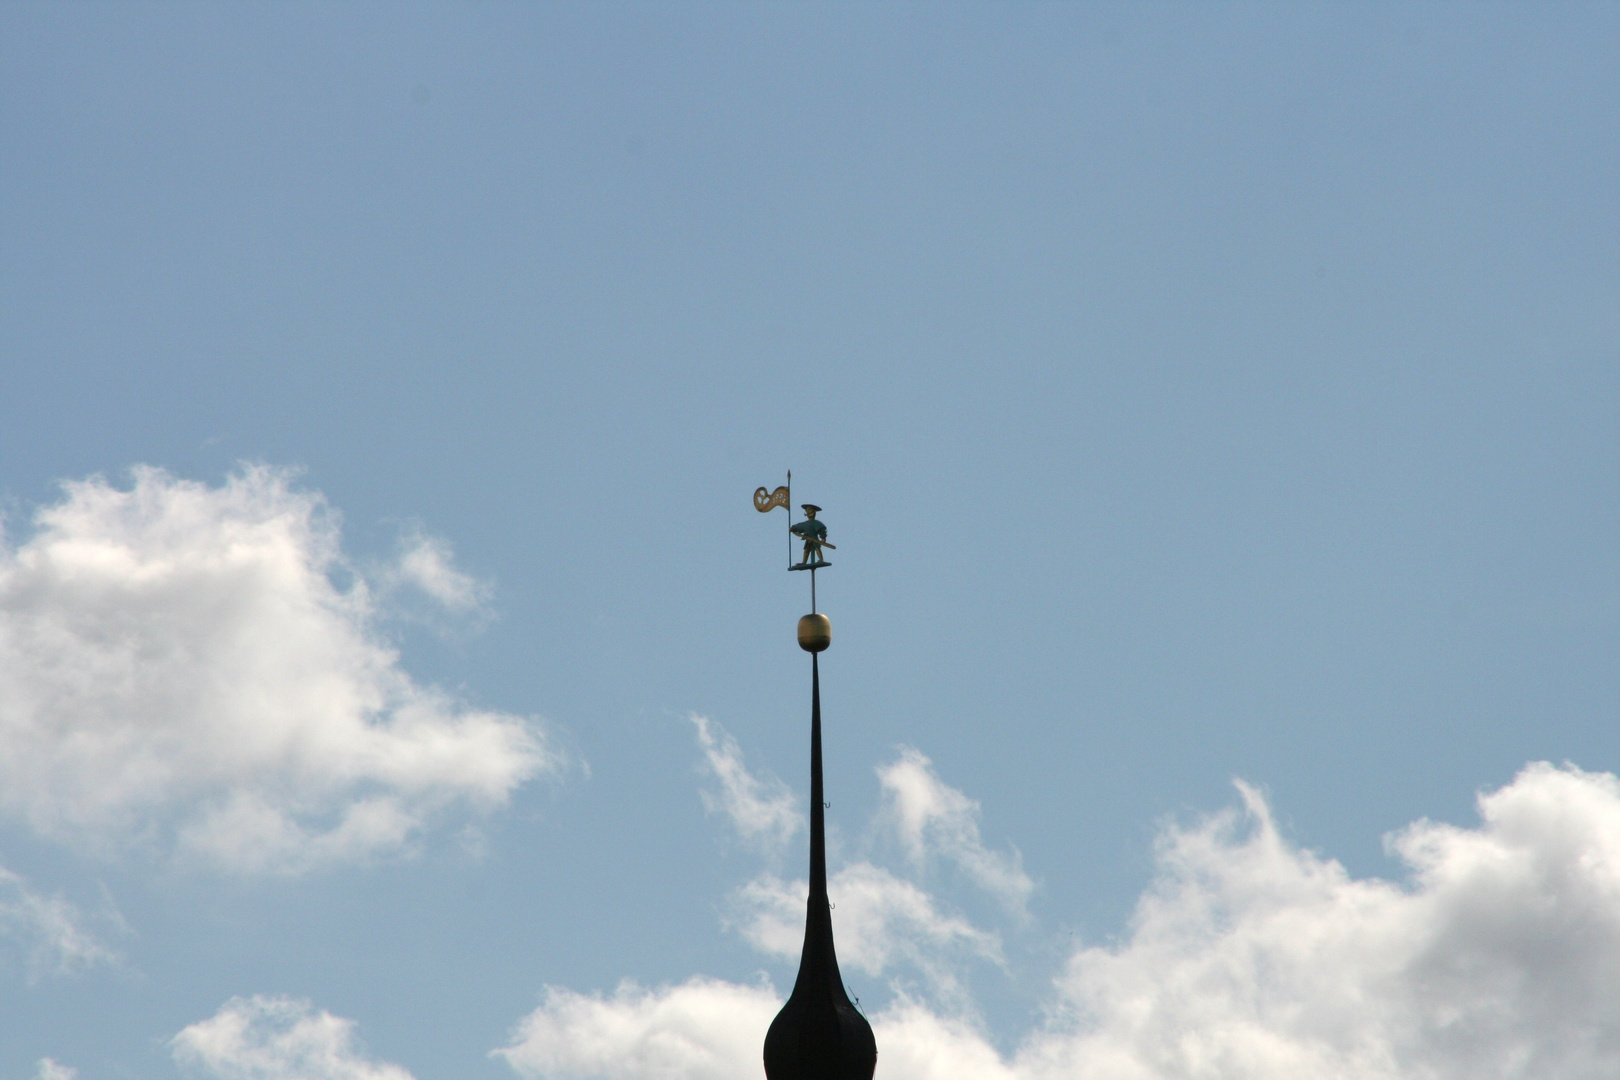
pixel 814 535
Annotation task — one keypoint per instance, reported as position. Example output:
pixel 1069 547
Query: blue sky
pixel 1196 394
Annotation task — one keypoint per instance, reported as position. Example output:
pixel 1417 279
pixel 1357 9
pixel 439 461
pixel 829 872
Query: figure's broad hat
pixel 812 507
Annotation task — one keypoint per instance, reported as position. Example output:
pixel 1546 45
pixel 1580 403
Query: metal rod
pixel 790 517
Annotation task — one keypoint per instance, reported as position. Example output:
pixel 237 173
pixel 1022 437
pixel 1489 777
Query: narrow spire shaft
pixel 818 809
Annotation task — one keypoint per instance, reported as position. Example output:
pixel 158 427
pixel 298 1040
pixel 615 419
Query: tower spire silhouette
pixel 819 1034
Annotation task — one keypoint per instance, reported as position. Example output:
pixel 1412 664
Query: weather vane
pixel 810 530
pixel 819 1034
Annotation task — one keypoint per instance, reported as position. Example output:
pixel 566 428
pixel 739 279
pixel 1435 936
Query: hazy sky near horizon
pixel 391 660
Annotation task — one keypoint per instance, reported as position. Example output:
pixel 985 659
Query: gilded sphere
pixel 815 633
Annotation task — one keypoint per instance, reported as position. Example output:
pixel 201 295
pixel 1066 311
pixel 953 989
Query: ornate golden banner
pixel 766 501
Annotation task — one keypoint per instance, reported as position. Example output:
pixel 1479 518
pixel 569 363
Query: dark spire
pixel 819 1035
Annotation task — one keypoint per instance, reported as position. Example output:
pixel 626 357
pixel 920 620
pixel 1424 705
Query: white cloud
pixel 277 1038
pixel 761 809
pixel 427 563
pixel 51 932
pixel 51 1070
pixel 424 570
pixel 702 1029
pixel 178 667
pixel 1250 959
pixel 931 817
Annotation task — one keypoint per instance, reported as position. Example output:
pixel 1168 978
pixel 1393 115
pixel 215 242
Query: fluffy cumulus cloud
pixel 197 669
pixel 50 933
pixel 701 1028
pixel 277 1038
pixel 1497 957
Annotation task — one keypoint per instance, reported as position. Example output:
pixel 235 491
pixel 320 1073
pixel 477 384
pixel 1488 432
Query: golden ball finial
pixel 815 632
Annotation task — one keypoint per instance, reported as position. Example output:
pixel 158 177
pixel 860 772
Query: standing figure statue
pixel 814 535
